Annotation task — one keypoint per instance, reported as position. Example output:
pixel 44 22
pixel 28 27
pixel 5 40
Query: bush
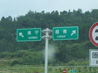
pixel 29 58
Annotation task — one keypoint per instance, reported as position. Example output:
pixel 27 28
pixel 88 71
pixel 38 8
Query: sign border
pixel 66 27
pixel 17 40
pixel 90 34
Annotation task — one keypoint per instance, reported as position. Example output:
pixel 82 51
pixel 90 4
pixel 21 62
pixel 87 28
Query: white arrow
pixel 20 34
pixel 73 32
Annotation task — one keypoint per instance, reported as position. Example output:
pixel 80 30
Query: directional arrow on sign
pixel 29 34
pixel 65 33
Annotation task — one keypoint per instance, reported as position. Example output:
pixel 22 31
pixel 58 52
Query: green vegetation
pixel 68 52
pixel 31 69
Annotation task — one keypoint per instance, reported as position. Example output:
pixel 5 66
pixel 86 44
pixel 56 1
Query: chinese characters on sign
pixel 31 34
pixel 58 33
pixel 65 33
pixel 93 53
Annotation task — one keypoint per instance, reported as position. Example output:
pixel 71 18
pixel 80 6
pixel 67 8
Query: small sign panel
pixel 65 33
pixel 30 34
pixel 93 55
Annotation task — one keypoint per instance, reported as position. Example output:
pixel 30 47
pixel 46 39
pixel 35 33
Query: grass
pixel 6 68
pixel 51 69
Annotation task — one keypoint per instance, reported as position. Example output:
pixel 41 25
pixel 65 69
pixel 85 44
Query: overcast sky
pixel 20 7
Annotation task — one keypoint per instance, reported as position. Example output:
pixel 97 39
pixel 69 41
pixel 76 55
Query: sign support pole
pixel 46 52
pixel 46 31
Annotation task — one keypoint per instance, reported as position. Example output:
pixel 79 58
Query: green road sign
pixel 30 34
pixel 65 33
